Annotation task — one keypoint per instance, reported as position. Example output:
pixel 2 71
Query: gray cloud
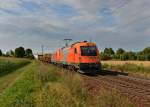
pixel 111 23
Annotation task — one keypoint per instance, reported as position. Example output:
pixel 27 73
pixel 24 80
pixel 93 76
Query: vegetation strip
pixel 8 65
pixel 121 54
pixel 21 91
pixel 8 79
pixel 48 86
pixel 129 68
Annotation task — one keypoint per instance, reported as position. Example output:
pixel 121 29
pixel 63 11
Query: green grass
pixel 7 80
pixel 59 89
pixel 127 68
pixel 48 86
pixel 20 93
pixel 8 65
pixel 9 72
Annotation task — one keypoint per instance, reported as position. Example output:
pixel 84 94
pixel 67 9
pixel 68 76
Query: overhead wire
pixel 131 22
pixel 121 6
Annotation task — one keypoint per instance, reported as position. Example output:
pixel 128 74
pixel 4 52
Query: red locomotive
pixel 82 56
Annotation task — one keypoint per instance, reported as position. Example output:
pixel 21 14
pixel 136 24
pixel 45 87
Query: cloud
pixel 9 4
pixel 111 23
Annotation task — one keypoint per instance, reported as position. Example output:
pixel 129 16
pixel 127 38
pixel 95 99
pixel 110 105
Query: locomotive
pixel 83 56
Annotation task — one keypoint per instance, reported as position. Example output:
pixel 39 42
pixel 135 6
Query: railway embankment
pixel 45 85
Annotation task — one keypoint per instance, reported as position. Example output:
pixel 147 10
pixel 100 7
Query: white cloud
pixel 130 20
pixel 9 4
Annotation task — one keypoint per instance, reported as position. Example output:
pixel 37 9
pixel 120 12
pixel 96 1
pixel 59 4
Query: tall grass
pixel 9 65
pixel 59 88
pixel 21 93
pixel 48 86
pixel 128 67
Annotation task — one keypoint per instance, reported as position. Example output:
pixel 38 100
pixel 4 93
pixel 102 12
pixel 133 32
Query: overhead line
pixel 121 6
pixel 134 21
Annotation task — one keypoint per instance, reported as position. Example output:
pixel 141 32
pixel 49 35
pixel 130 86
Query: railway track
pixel 136 89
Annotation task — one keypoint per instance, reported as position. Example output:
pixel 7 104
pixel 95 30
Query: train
pixel 83 57
pixel 45 58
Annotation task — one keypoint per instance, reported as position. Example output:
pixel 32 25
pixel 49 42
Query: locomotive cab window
pixel 88 50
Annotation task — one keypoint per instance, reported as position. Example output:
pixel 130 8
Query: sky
pixel 109 23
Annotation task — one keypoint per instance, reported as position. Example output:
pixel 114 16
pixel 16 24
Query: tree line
pixel 19 52
pixel 121 54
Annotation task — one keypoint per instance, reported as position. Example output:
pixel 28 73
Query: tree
pixel 131 55
pixel 20 52
pixel 146 51
pixel 120 51
pixel 120 54
pixel 109 51
pixel 1 52
pixel 29 54
pixel 105 56
pixel 7 54
pixel 12 53
pixel 108 54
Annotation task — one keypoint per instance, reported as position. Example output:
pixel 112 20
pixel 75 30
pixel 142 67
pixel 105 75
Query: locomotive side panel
pixel 65 56
pixel 61 56
pixel 53 58
pixel 70 55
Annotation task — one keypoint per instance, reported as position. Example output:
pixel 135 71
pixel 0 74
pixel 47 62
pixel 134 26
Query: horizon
pixel 46 50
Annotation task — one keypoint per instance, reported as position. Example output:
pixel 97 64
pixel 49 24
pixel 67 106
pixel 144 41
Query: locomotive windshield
pixel 88 51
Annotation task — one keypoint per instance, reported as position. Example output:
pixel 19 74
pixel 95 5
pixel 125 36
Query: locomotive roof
pixel 76 43
pixel 81 42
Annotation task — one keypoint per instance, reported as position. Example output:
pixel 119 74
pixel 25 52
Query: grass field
pixel 40 85
pixel 139 63
pixel 137 67
pixel 9 72
pixel 10 64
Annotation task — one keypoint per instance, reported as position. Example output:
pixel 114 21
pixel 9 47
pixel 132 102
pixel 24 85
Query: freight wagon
pixel 40 57
pixel 45 58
